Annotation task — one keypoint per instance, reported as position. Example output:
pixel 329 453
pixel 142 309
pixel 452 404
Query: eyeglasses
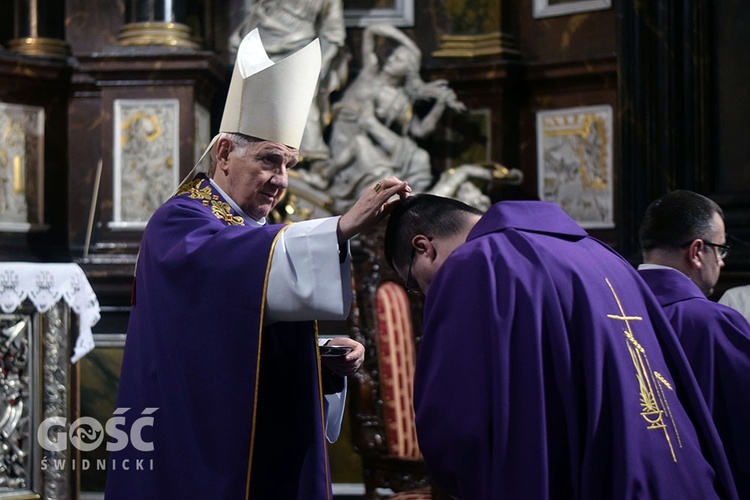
pixel 410 287
pixel 721 250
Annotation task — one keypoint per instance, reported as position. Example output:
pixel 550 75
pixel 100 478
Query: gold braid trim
pixel 220 209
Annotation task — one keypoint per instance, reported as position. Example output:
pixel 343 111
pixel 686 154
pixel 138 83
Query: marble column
pixel 38 28
pixel 157 22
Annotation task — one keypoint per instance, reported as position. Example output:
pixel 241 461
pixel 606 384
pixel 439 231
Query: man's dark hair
pixel 676 218
pixel 427 214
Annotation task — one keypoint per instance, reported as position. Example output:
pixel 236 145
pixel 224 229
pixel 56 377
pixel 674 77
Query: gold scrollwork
pixel 195 193
pixel 220 209
pixel 223 211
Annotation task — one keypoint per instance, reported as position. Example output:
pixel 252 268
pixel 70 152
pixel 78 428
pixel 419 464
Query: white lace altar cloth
pixel 44 285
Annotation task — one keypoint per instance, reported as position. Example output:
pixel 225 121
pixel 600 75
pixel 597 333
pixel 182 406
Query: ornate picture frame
pixel 146 159
pixel 551 8
pixel 575 162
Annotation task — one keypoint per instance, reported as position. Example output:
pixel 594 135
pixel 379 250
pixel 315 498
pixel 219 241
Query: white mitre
pixel 268 100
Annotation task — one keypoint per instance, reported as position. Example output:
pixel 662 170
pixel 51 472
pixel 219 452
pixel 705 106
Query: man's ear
pixel 694 254
pixel 424 245
pixel 223 148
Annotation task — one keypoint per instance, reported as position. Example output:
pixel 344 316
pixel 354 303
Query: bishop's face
pixel 255 177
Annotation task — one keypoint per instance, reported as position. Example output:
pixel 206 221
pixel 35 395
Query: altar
pixel 47 314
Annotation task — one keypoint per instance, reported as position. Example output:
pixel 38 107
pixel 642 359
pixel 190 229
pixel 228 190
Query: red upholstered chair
pixel 396 358
pixel 386 321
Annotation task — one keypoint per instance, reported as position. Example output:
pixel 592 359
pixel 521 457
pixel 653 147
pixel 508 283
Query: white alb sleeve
pixel 307 280
pixel 334 405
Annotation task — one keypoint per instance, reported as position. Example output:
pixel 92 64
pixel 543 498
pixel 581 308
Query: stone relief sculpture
pixel 374 128
pixel 286 26
pixel 470 183
pixel 14 416
pixel 147 155
pixel 374 133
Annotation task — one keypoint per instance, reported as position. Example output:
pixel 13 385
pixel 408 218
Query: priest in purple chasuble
pixel 546 369
pixel 684 245
pixel 716 341
pixel 222 387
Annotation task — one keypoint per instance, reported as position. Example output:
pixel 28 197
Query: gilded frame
pixel 146 159
pixel 575 162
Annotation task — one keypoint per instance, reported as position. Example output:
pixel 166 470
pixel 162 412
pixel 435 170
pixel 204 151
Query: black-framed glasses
pixel 409 286
pixel 721 250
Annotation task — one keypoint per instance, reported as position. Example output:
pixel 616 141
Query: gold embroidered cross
pixel 654 404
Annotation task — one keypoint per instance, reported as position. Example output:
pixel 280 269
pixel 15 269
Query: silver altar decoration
pixel 55 401
pixel 46 315
pixel 35 383
pixel 15 359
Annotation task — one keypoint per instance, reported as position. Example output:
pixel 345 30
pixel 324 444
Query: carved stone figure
pixel 375 127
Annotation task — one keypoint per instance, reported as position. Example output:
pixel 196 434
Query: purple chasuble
pixel 547 370
pixel 236 407
pixel 716 341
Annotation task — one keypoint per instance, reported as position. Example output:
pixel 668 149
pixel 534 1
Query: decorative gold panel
pixel 574 158
pixel 146 158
